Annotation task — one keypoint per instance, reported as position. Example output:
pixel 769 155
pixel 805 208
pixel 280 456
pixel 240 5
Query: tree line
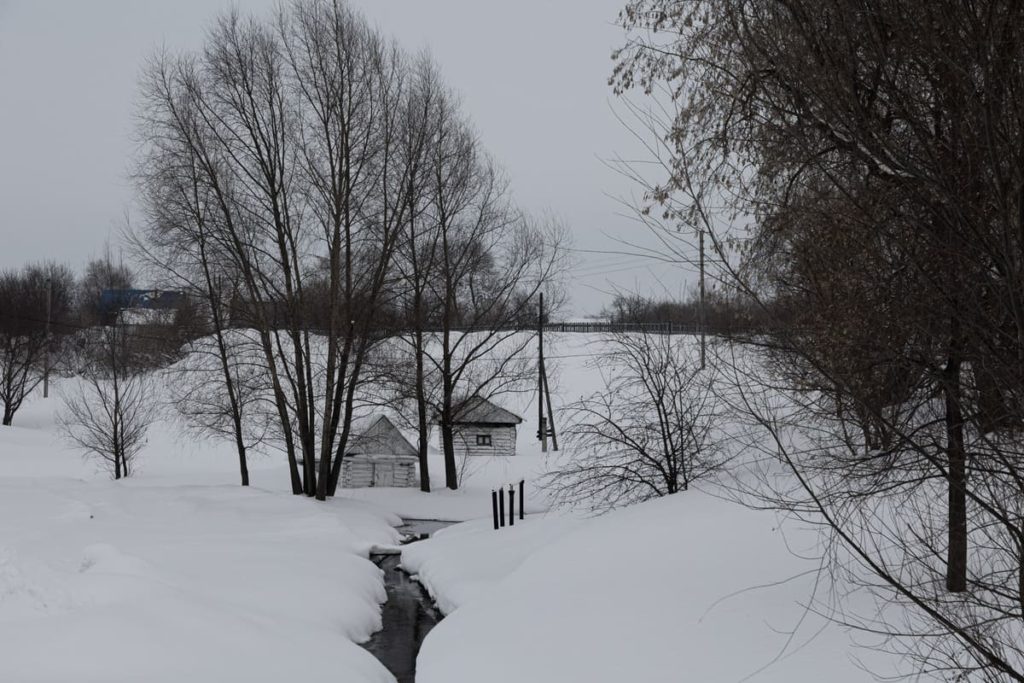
pixel 45 313
pixel 721 313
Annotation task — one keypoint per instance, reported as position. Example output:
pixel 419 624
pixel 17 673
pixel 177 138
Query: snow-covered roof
pixel 478 410
pixel 369 435
pixel 362 423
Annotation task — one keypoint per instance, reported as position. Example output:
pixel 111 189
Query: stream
pixel 409 613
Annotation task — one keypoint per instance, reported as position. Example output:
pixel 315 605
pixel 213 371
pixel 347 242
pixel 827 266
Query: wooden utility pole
pixel 545 424
pixel 551 414
pixel 542 428
pixel 46 344
pixel 703 316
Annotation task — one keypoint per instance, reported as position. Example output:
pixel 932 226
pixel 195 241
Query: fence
pixel 588 327
pixel 585 327
pixel 498 504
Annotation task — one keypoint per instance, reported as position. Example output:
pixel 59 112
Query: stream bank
pixel 409 614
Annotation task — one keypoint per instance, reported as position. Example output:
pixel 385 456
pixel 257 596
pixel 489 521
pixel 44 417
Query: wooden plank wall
pixel 503 440
pixel 365 472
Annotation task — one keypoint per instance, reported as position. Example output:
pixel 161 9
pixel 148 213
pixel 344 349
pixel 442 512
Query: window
pixel 483 439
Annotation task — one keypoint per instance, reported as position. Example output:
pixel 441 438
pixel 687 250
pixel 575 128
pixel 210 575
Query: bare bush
pixel 108 413
pixel 649 431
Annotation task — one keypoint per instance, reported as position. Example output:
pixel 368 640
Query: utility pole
pixel 542 428
pixel 703 315
pixel 46 346
pixel 545 425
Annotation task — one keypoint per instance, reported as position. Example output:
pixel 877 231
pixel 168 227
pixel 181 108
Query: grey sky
pixel 532 74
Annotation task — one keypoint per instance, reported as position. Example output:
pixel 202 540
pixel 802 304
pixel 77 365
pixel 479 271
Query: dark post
pixel 703 315
pixel 494 507
pixel 541 427
pixel 501 507
pixel 522 498
pixel 46 350
pixel 550 422
pixel 546 424
pixel 511 506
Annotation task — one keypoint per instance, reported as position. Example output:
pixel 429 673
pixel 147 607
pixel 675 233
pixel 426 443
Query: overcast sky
pixel 532 74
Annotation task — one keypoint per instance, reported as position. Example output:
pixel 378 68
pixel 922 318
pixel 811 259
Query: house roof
pixel 478 410
pixel 362 425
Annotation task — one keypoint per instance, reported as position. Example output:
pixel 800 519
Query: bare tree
pixel 492 262
pixel 219 390
pixel 291 153
pixel 183 244
pixel 102 274
pixel 417 256
pixel 651 431
pixel 865 143
pixel 108 413
pixel 29 328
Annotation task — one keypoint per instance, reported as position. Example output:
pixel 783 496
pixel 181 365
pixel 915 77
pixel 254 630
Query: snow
pixel 473 498
pixel 685 588
pixel 179 574
pixel 571 374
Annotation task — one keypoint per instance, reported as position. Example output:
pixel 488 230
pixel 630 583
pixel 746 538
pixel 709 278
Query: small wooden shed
pixel 378 454
pixel 482 428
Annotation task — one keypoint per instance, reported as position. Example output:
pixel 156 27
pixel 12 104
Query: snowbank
pixel 178 574
pixel 108 582
pixel 686 588
pixel 463 562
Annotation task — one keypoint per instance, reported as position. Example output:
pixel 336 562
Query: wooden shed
pixel 378 454
pixel 483 428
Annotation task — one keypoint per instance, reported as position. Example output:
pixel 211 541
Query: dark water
pixel 421 528
pixel 409 613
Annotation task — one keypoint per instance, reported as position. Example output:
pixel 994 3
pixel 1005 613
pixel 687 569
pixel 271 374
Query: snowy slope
pixel 178 574
pixel 686 588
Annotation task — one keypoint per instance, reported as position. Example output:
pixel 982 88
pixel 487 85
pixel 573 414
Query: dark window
pixel 483 439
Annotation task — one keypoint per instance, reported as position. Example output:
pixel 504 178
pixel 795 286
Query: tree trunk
pixel 282 412
pixel 956 560
pixel 309 462
pixel 421 410
pixel 359 348
pixel 243 466
pixel 346 432
pixel 1020 572
pixel 451 475
pixel 213 296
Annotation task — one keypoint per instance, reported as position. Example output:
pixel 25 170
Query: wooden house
pixel 482 428
pixel 378 454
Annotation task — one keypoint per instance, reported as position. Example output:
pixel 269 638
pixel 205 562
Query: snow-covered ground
pixel 178 574
pixel 685 588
